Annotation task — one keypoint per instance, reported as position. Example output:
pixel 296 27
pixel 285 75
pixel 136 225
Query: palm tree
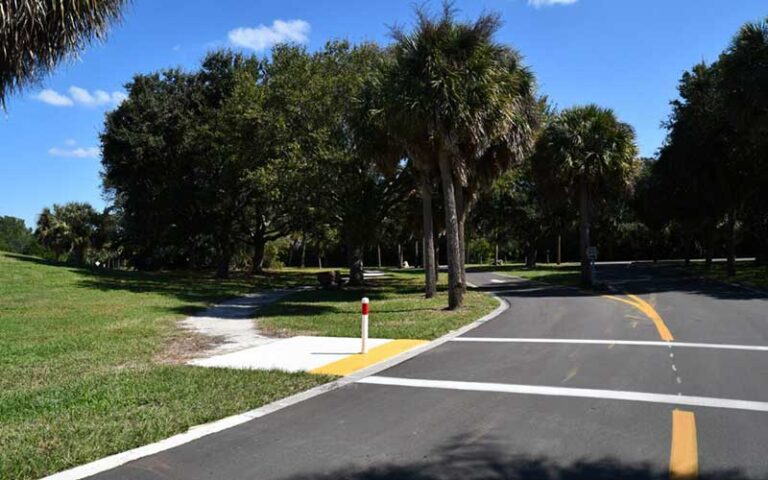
pixel 587 153
pixel 453 98
pixel 36 35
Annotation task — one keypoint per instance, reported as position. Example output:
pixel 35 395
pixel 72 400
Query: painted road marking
pixel 649 312
pixel 353 363
pixel 684 454
pixel 570 392
pixel 720 346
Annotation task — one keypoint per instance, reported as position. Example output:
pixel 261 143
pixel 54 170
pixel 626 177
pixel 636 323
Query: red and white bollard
pixel 364 327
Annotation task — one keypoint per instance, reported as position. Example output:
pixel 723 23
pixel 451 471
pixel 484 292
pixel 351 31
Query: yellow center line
pixel 353 363
pixel 649 312
pixel 684 454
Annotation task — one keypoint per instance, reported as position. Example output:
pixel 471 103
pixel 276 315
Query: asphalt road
pixel 563 385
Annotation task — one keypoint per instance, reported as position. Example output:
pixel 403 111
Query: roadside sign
pixel 592 253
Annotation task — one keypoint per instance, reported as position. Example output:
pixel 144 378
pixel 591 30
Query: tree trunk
pixel 530 258
pixel 303 252
pixel 222 265
pixel 430 272
pixel 416 260
pixel 319 261
pixel 455 288
pixel 496 255
pixel 355 258
pixel 378 253
pixel 461 215
pixel 399 256
pixel 290 253
pixel 686 249
pixel 559 249
pixel 710 248
pixel 730 265
pixel 586 267
pixel 257 266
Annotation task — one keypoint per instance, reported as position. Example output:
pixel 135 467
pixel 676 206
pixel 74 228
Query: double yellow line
pixel 648 311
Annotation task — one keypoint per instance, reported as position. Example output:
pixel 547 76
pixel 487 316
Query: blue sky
pixel 623 54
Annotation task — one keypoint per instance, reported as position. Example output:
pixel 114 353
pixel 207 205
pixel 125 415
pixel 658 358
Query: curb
pixel 200 431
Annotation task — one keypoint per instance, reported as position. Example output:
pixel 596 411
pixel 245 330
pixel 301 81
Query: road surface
pixel 563 385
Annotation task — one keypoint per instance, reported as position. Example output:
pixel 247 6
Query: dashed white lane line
pixel 720 346
pixel 570 392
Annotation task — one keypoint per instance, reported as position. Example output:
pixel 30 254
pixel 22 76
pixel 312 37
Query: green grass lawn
pixel 398 310
pixel 563 274
pixel 82 374
pixel 86 357
pixel 746 273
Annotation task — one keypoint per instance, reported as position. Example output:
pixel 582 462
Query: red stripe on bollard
pixel 365 309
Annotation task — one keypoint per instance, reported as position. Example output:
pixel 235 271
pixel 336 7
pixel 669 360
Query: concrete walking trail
pixel 565 384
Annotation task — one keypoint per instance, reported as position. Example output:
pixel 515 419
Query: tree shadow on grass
pixel 188 286
pixel 486 461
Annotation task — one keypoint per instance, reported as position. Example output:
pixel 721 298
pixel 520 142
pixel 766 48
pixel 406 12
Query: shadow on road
pixel 486 461
pixel 636 278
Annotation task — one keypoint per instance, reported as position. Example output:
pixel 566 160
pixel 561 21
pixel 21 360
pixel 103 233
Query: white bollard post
pixel 364 327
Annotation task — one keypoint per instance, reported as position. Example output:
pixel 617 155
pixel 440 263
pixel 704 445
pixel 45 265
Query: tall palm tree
pixel 588 154
pixel 36 35
pixel 383 133
pixel 452 98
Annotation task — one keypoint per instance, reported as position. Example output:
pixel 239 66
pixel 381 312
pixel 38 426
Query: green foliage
pixel 75 232
pixel 480 250
pixel 712 171
pixel 586 147
pixel 15 236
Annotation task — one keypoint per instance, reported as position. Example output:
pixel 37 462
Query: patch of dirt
pixel 185 345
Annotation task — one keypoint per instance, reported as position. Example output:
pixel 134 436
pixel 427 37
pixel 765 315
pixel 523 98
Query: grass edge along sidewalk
pixel 81 378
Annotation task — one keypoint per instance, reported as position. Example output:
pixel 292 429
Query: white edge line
pixel 721 346
pixel 113 461
pixel 571 392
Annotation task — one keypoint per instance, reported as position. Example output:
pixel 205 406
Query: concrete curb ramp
pixel 321 355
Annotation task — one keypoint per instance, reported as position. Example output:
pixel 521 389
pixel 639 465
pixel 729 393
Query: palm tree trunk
pixel 586 267
pixel 461 215
pixel 455 288
pixel 559 249
pixel 730 266
pixel 430 278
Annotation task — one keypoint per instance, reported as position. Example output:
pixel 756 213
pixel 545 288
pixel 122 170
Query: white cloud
pixel 81 96
pixel 70 142
pixel 95 99
pixel 548 3
pixel 52 97
pixel 78 152
pixel 263 37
